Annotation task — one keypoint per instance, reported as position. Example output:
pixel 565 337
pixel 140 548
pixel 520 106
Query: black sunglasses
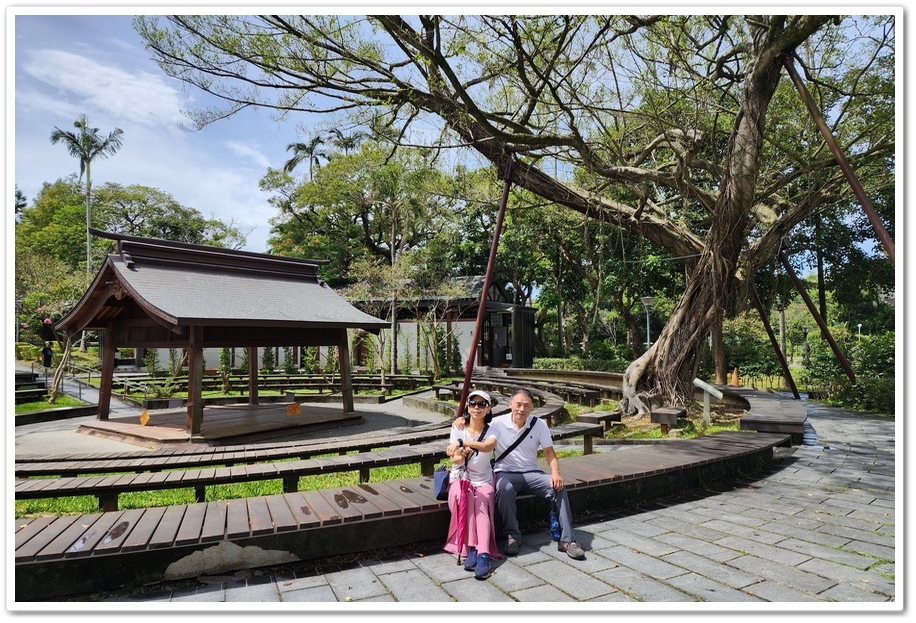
pixel 475 403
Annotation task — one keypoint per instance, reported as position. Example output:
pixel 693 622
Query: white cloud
pixel 249 151
pixel 140 97
pixel 66 67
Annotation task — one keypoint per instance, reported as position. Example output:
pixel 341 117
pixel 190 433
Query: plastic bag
pixel 554 520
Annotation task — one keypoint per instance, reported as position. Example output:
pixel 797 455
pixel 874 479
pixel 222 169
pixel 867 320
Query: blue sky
pixel 68 65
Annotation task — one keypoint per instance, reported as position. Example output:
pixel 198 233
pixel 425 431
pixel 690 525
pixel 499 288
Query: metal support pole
pixel 481 309
pixel 864 201
pixel 825 330
pixel 779 353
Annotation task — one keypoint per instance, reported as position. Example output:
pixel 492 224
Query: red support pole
pixel 755 297
pixel 481 309
pixel 864 201
pixel 825 330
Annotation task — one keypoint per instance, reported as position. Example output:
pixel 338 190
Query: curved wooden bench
pixel 107 488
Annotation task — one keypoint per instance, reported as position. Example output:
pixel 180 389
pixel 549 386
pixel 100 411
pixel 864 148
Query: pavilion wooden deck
pixel 76 554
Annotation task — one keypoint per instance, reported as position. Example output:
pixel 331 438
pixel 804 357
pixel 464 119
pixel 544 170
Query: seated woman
pixel 472 533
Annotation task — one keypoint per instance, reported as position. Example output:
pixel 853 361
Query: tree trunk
pixel 664 370
pixel 59 373
pixel 718 352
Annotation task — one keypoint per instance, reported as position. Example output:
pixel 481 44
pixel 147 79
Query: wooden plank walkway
pixel 102 551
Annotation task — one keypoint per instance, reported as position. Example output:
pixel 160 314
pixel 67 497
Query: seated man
pixel 518 473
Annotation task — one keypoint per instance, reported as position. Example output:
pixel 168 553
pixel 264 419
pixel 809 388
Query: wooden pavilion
pixel 154 293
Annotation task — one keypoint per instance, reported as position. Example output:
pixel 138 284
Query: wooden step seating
pixel 570 392
pixel 282 382
pixel 608 385
pixel 547 405
pixel 77 554
pixel 123 476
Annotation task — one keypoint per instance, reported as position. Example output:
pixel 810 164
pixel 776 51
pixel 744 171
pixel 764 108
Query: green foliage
pixel 452 364
pixel 151 361
pixel 176 362
pixel 309 359
pixel 289 362
pixel 28 352
pixel 62 400
pixel 268 360
pixel 575 363
pixel 225 359
pixel 874 362
pixel 748 348
pixel 54 227
pixel 148 212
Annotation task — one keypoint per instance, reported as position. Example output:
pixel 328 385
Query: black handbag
pixel 440 482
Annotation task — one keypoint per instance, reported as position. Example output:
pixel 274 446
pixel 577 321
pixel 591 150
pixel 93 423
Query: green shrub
pixel 873 360
pixel 575 363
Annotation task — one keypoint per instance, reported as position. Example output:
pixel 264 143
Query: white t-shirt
pixel 524 458
pixel 478 464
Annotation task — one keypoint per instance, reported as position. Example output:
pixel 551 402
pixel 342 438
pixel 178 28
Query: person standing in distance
pixel 518 472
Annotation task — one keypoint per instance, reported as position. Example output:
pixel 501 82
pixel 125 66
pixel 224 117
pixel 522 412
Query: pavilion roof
pixel 180 284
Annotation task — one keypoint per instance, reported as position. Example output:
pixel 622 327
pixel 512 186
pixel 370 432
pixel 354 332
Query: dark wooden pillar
pixel 195 372
pixel 107 379
pixel 346 382
pixel 252 375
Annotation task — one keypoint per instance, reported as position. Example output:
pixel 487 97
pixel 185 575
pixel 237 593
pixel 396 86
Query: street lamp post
pixel 860 331
pixel 647 303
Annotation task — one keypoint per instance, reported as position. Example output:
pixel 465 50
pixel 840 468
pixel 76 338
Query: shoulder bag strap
pixel 483 434
pixel 517 441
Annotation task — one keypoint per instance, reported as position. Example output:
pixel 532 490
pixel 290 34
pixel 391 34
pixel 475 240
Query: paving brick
pixel 469 589
pixel 642 587
pixel 838 555
pixel 652 547
pixel 571 581
pixel 706 589
pixel 736 530
pixel 355 584
pixel 871 549
pixel 772 591
pixel 642 563
pixel 806 531
pixel 708 550
pixel 635 525
pixel 848 575
pixel 769 552
pixel 724 574
pixel 684 525
pixel 313 594
pixel 846 592
pixel 541 594
pixel 261 593
pixel 414 585
pixel 510 576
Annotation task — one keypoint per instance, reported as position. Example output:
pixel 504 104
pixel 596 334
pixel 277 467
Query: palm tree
pixel 87 145
pixel 347 142
pixel 303 151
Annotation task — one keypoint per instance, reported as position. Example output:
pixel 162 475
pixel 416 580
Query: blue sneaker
pixel 471 559
pixel 482 569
